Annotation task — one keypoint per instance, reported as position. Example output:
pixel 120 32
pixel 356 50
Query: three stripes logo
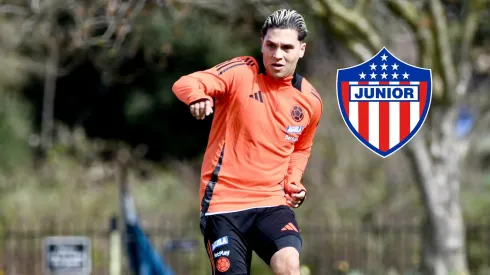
pixel 290 226
pixel 235 62
pixel 384 101
pixel 257 96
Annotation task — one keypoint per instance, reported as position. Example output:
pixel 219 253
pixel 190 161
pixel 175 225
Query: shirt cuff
pixel 198 98
pixel 295 177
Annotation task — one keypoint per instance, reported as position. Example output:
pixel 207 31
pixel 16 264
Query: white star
pixel 394 75
pixel 383 57
pixel 384 66
pixel 373 75
pixel 405 75
pixel 362 75
pixel 373 66
pixel 395 66
pixel 383 75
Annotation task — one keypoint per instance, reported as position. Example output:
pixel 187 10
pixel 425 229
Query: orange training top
pixel 261 135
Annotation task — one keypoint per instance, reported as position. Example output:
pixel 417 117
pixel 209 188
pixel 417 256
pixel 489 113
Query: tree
pixel 59 35
pixel 445 43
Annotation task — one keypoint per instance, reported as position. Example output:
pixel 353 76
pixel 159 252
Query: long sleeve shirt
pixel 261 135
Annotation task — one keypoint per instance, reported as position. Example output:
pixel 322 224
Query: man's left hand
pixel 295 196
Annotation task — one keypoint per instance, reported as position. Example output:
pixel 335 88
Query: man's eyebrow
pixel 284 45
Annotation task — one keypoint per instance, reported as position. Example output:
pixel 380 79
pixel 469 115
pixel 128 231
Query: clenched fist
pixel 201 109
pixel 295 196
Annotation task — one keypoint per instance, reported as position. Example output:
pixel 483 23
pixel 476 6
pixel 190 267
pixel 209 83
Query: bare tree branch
pixel 420 24
pixel 355 21
pixel 265 7
pixel 339 26
pixel 51 74
pixel 215 6
pixel 359 49
pixel 35 6
pixel 420 158
pixel 445 55
pixel 476 8
pixel 140 4
pixel 360 5
pixel 121 35
pixel 201 2
pixel 105 21
pixel 12 9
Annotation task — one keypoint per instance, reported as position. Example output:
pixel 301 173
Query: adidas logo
pixel 257 96
pixel 289 226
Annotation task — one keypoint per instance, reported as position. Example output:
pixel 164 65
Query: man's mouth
pixel 277 65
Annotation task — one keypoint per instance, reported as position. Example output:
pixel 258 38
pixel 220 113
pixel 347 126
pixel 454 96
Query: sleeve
pixel 302 148
pixel 213 82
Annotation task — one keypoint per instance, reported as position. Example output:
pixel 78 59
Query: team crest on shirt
pixel 297 113
pixel 384 101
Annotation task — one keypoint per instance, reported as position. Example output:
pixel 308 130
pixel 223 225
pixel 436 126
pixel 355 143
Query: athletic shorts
pixel 230 238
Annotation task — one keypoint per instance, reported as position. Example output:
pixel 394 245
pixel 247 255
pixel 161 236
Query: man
pixel 265 119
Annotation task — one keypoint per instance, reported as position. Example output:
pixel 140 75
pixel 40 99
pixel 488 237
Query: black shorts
pixel 230 238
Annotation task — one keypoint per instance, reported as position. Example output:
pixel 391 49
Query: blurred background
pixel 87 109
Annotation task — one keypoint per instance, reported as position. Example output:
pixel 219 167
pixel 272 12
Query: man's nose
pixel 278 54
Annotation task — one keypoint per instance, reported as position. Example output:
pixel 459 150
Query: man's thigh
pixel 226 243
pixel 276 228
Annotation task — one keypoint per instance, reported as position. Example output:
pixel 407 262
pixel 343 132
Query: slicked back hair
pixel 286 19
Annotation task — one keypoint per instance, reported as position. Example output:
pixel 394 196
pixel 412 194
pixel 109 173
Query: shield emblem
pixel 384 101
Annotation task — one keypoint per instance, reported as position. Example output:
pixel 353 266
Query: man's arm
pixel 302 148
pixel 213 82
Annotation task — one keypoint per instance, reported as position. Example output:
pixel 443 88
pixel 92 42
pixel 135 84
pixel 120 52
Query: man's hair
pixel 286 19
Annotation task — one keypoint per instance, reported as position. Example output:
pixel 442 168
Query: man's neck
pixel 282 81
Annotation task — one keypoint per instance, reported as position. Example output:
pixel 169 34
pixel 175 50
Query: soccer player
pixel 265 119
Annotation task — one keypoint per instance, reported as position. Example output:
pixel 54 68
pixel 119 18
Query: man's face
pixel 281 51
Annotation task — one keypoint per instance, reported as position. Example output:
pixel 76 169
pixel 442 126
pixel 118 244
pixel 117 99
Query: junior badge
pixel 384 101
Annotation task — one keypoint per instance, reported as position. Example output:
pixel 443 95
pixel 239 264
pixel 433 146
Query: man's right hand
pixel 201 109
pixel 295 195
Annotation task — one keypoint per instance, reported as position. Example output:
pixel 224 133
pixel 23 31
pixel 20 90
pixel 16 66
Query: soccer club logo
pixel 297 113
pixel 384 101
pixel 222 264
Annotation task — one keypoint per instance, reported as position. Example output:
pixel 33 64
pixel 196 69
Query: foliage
pixel 14 133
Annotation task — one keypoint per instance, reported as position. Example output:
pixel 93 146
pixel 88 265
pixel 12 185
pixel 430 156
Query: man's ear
pixel 302 50
pixel 261 44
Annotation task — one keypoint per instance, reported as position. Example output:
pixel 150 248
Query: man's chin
pixel 277 75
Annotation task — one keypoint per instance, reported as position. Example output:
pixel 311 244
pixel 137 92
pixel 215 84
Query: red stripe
pixel 364 116
pixel 423 96
pixel 384 126
pixel 364 119
pixel 345 97
pixel 384 123
pixel 404 116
